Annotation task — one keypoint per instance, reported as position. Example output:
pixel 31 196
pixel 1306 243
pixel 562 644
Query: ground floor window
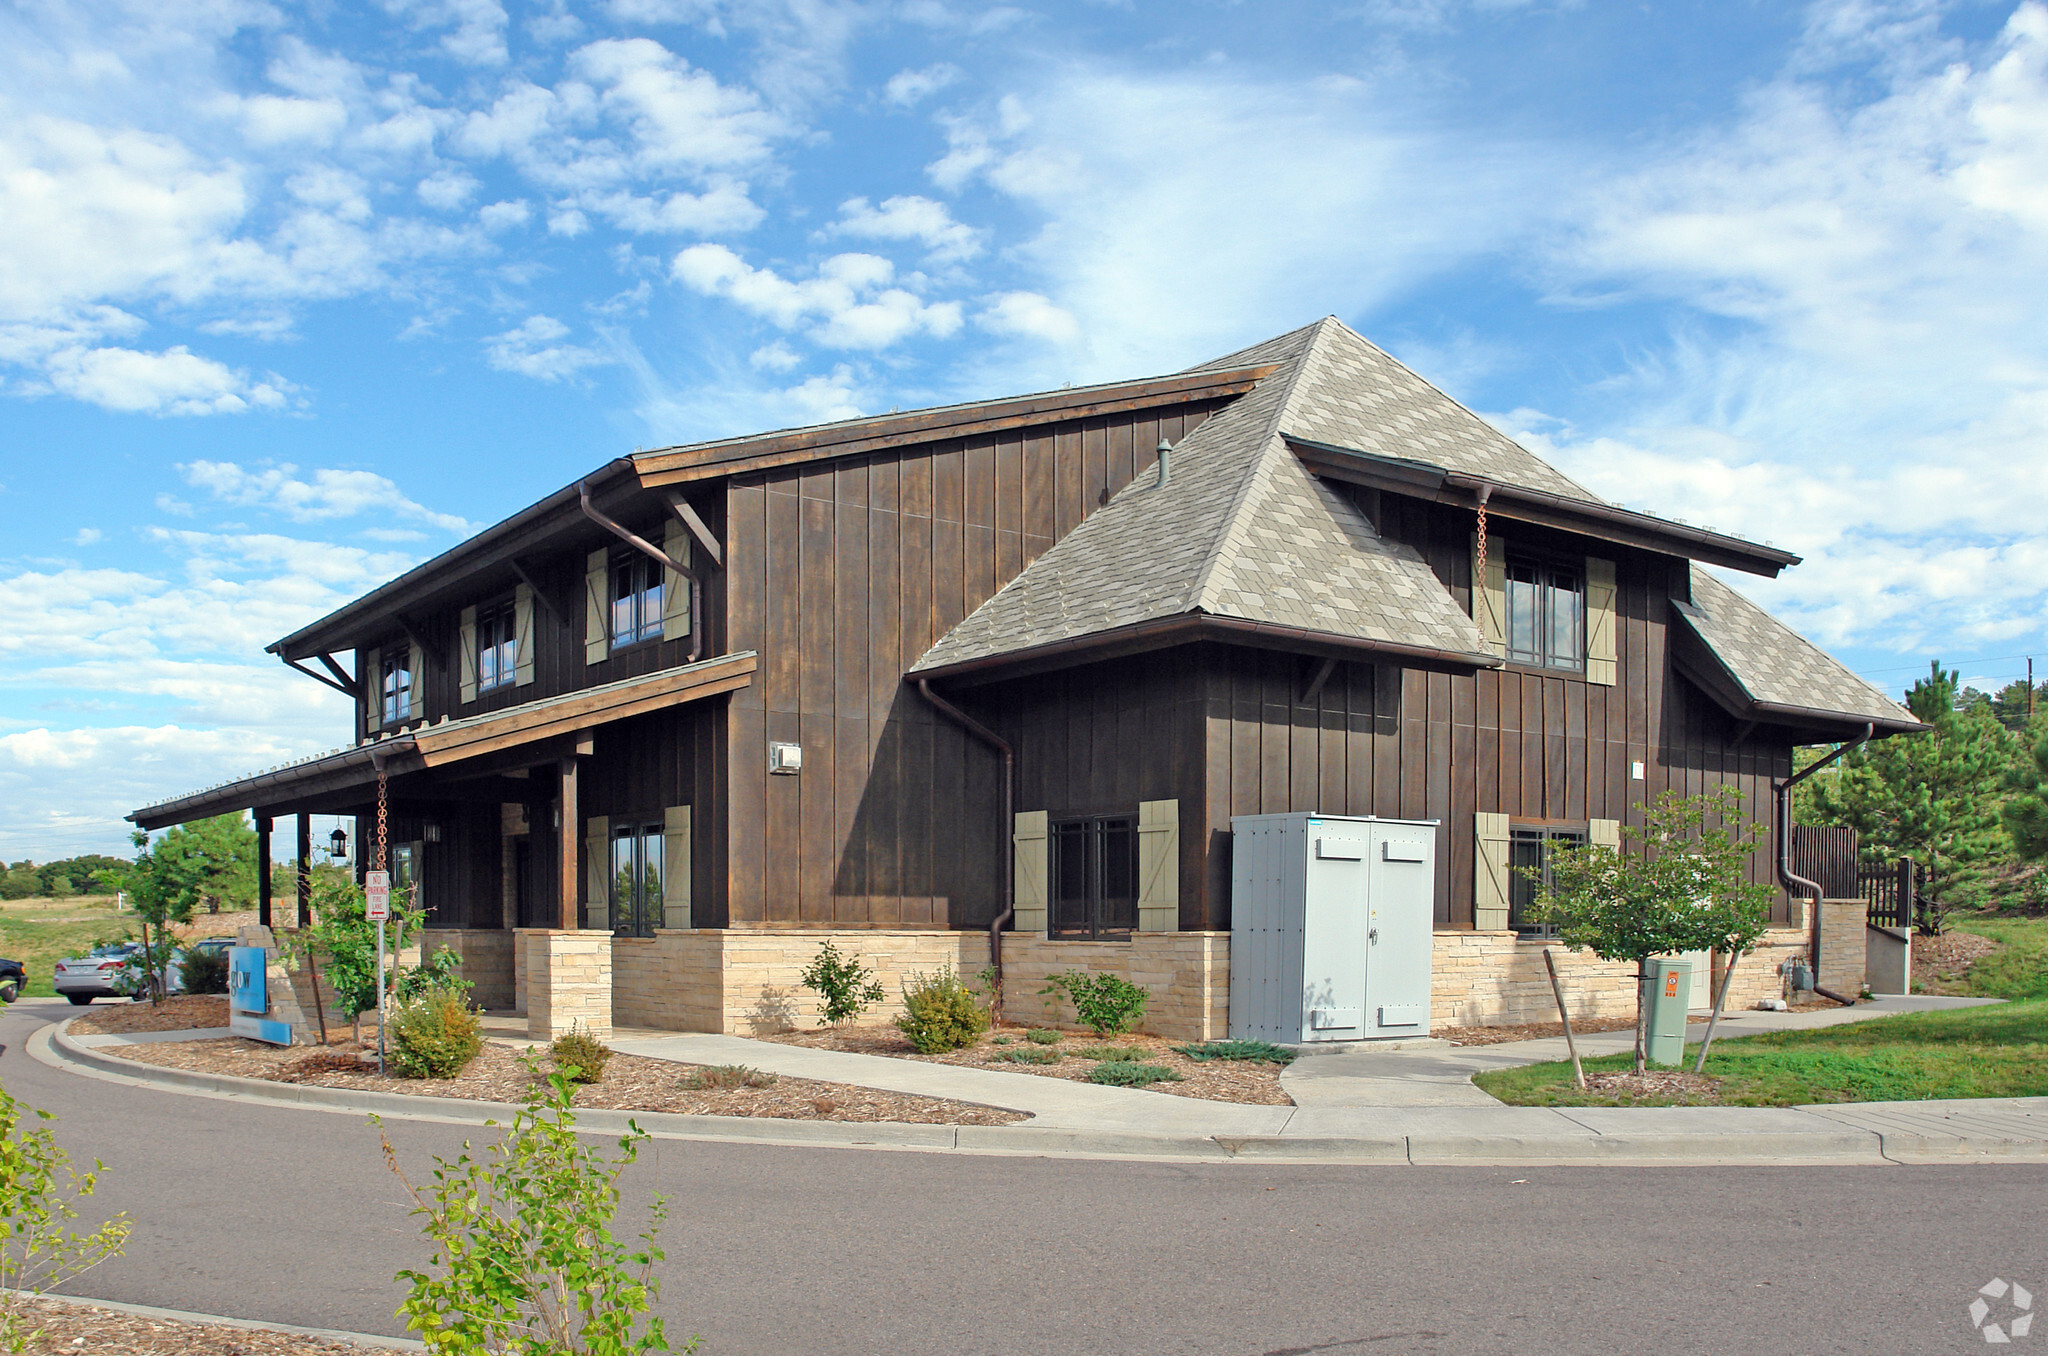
pixel 1529 856
pixel 1095 877
pixel 636 878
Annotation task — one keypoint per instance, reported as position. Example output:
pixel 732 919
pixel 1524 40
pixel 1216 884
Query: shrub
pixel 1042 1036
pixel 1262 1051
pixel 38 1188
pixel 580 1055
pixel 1114 1053
pixel 843 983
pixel 939 1013
pixel 729 1076
pixel 204 971
pixel 434 1035
pixel 1025 1054
pixel 525 1261
pixel 1125 1074
pixel 1108 1005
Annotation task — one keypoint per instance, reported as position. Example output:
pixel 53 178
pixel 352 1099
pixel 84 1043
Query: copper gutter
pixel 1791 879
pixel 1009 899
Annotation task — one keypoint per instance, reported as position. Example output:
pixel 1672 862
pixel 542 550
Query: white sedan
pixel 111 971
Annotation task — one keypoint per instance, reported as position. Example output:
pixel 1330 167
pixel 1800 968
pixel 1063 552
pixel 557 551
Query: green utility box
pixel 1670 984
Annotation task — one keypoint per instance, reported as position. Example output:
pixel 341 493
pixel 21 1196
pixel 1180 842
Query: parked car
pixel 130 977
pixel 13 979
pixel 96 974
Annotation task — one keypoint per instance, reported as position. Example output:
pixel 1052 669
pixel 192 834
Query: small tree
pixel 1679 884
pixel 39 1190
pixel 844 986
pixel 345 940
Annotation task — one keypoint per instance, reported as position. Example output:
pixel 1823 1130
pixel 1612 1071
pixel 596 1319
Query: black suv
pixel 12 978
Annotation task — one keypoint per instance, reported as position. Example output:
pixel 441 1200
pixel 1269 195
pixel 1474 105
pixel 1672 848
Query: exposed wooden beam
pixel 569 853
pixel 697 527
pixel 345 689
pixel 546 600
pixel 341 675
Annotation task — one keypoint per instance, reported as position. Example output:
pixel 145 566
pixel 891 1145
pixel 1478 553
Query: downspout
pixel 667 561
pixel 1790 879
pixel 1009 898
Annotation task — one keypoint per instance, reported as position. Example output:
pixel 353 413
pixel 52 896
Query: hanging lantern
pixel 337 843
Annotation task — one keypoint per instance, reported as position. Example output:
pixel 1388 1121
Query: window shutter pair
pixel 675 867
pixel 466 650
pixel 1490 873
pixel 597 605
pixel 597 871
pixel 1030 851
pixel 522 635
pixel 1490 607
pixel 1159 866
pixel 675 589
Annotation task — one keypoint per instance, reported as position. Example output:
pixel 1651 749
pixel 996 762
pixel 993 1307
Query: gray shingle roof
pixel 1775 664
pixel 1241 530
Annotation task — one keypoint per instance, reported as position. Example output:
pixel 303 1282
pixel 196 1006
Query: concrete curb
pixel 1831 1142
pixel 358 1339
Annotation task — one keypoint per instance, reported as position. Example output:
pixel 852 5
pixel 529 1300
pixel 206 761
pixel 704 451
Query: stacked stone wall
pixel 487 962
pixel 568 982
pixel 1499 979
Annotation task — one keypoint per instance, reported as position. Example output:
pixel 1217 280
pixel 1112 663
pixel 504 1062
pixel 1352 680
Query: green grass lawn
pixel 1970 1052
pixel 41 932
pixel 2018 970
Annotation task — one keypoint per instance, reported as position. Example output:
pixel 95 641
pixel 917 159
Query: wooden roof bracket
pixel 648 548
pixel 546 600
pixel 698 528
pixel 341 682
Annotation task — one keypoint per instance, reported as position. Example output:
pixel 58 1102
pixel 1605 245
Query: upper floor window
pixel 636 600
pixel 497 646
pixel 1095 877
pixel 1546 614
pixel 1529 856
pixel 394 684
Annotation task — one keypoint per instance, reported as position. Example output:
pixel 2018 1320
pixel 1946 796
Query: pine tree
pixel 1935 796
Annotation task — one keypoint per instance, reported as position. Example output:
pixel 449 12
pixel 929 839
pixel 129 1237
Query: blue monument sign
pixel 249 997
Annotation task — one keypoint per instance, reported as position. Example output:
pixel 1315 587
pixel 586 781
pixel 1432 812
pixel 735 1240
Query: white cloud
pixel 88 536
pixel 775 357
pixel 325 494
pixel 269 120
pixel 906 88
pixel 531 350
pixel 1029 315
pixel 503 216
pixel 447 190
pixel 910 217
pixel 175 381
pixel 849 298
pixel 476 35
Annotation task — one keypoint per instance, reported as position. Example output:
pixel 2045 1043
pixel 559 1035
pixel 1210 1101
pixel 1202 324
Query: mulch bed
pixel 1536 1031
pixel 186 1012
pixel 1211 1080
pixel 1942 962
pixel 1665 1086
pixel 86 1328
pixel 630 1083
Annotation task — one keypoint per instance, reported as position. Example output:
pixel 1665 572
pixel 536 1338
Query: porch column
pixel 263 869
pixel 570 848
pixel 305 882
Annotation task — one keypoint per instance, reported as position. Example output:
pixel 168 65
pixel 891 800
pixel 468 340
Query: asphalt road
pixel 292 1216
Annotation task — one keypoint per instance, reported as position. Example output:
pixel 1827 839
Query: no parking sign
pixel 376 895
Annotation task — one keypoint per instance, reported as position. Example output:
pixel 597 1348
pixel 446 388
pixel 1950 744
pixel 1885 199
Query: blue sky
pixel 294 297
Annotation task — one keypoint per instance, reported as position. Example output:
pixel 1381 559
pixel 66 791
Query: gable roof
pixel 1240 532
pixel 1758 667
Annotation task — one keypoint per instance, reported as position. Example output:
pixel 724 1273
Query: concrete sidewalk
pixel 1365 1107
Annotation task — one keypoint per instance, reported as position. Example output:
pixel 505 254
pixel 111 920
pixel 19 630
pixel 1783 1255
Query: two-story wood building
pixel 1007 670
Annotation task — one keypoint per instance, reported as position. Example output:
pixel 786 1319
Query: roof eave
pixel 1185 628
pixel 1542 507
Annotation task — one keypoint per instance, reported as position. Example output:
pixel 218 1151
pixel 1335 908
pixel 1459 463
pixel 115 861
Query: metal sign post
pixel 377 908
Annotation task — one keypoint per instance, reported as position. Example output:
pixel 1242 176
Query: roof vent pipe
pixel 1165 464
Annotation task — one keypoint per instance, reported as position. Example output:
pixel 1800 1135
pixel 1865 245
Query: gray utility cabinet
pixel 1332 920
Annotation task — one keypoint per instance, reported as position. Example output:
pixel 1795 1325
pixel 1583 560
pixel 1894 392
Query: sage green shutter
pixel 1490 593
pixel 466 646
pixel 1490 873
pixel 675 589
pixel 1159 866
pixel 1600 621
pixel 416 683
pixel 675 867
pixel 597 871
pixel 1029 847
pixel 1604 833
pixel 522 635
pixel 373 688
pixel 597 599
